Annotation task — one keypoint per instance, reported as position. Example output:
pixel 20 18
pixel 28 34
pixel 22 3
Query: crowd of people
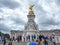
pixel 42 40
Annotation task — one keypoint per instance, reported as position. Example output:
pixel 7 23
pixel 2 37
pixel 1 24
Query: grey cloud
pixel 33 2
pixel 44 21
pixel 49 22
pixel 4 27
pixel 57 2
pixel 1 10
pixel 42 27
pixel 9 3
pixel 39 10
pixel 49 1
pixel 1 19
pixel 17 20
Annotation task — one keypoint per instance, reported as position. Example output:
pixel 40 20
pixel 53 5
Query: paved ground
pixel 16 43
pixel 24 43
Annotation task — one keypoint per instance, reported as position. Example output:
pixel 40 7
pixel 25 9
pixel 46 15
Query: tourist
pixel 18 38
pixel 54 41
pixel 42 41
pixel 51 38
pixel 46 40
pixel 4 41
pixel 32 42
pixel 10 42
pixel 40 37
pixel 38 42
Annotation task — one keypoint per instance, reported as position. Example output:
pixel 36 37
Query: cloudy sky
pixel 13 14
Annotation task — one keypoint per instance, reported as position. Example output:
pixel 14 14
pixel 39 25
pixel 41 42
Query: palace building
pixel 31 29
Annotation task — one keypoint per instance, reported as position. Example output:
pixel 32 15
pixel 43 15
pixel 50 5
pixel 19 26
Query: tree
pixel 7 36
pixel 0 33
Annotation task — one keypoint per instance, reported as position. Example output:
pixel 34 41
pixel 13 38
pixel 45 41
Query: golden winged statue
pixel 31 9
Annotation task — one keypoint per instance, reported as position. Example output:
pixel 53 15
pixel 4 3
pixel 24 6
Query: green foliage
pixel 0 33
pixel 5 35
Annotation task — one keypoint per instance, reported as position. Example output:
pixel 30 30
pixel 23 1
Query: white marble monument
pixel 31 28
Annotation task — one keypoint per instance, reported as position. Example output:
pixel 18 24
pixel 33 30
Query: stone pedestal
pixel 32 32
pixel 31 25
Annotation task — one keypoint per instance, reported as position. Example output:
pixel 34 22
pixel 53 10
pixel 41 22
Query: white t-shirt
pixel 53 40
